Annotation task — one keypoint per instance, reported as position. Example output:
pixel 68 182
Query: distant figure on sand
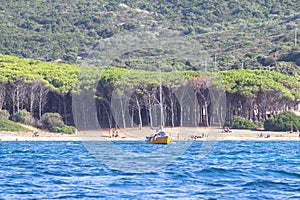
pixel 115 133
pixel 110 132
pixel 226 130
pixel 35 134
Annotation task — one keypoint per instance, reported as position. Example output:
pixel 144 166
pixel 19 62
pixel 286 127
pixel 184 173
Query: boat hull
pixel 160 140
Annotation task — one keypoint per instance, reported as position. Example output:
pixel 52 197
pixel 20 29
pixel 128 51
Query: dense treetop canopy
pixel 71 78
pixel 59 77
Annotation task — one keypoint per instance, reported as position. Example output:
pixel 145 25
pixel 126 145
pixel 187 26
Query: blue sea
pixel 99 170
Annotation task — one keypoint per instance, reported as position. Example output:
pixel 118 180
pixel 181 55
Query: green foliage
pixel 52 120
pixel 64 129
pixel 4 114
pixel 23 116
pixel 54 123
pixel 87 79
pixel 262 88
pixel 283 122
pixel 7 125
pixel 69 130
pixel 59 77
pixel 251 82
pixel 239 31
pixel 241 123
pixel 292 56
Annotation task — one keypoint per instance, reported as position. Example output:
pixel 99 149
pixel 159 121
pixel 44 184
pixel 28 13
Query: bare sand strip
pixel 140 134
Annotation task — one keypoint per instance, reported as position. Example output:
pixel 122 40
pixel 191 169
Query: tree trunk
pixel 150 115
pixel 139 112
pixel 2 94
pixel 207 119
pixel 122 113
pixel 65 108
pixel 42 98
pixel 132 117
pixel 195 110
pixel 172 114
pixel 181 115
pixel 40 104
pixel 31 101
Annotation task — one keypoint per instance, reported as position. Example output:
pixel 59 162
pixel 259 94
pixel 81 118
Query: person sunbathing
pixel 227 129
pixel 35 134
pixel 260 135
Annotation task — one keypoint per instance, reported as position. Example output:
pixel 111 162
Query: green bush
pixel 51 120
pixel 54 123
pixel 23 116
pixel 241 123
pixel 69 129
pixel 8 125
pixel 4 114
pixel 64 129
pixel 283 122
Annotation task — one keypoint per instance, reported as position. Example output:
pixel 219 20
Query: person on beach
pixel 113 133
pixel 110 133
pixel 226 130
pixel 116 134
pixel 35 134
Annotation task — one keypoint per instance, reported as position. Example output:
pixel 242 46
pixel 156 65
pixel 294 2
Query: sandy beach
pixel 137 134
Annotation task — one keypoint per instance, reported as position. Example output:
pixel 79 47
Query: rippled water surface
pixel 69 170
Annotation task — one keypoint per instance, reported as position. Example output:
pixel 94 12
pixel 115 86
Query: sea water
pixel 71 170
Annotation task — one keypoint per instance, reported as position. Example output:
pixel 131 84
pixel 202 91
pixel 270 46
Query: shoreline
pixel 135 134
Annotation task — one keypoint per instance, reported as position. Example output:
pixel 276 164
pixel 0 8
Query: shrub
pixel 4 114
pixel 54 123
pixel 8 125
pixel 241 123
pixel 283 122
pixel 292 56
pixel 51 120
pixel 69 129
pixel 23 116
pixel 64 129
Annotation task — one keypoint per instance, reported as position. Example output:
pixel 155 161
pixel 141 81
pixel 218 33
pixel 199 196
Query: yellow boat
pixel 159 138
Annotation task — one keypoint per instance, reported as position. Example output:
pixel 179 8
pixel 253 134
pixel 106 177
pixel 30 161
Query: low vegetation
pixel 241 123
pixel 50 121
pixel 24 117
pixel 286 121
pixel 4 114
pixel 53 122
pixel 8 125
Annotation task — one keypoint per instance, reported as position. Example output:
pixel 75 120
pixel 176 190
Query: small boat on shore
pixel 159 137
